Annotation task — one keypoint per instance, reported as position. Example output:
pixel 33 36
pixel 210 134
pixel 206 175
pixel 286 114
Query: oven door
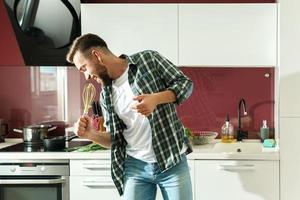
pixel 34 187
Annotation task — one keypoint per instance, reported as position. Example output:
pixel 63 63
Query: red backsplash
pixel 216 92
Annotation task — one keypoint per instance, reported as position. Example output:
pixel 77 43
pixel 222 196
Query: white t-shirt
pixel 138 132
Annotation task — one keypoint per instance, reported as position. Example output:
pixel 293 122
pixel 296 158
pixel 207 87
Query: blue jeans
pixel 141 179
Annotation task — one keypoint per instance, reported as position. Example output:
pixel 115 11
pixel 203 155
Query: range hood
pixel 44 29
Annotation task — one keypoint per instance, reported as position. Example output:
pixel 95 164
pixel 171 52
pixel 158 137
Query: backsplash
pixel 217 91
pixel 34 94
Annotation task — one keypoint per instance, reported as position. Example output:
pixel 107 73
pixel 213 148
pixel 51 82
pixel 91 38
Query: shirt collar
pixel 129 59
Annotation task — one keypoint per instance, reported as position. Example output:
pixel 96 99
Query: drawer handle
pixel 106 184
pixel 237 167
pixel 96 166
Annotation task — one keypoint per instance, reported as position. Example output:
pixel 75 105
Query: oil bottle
pixel 227 131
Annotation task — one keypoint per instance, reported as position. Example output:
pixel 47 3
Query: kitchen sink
pixel 238 147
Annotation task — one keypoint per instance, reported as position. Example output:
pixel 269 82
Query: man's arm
pixel 83 128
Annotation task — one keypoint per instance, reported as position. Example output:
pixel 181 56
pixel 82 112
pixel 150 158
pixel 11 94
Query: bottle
pixel 227 131
pixel 264 131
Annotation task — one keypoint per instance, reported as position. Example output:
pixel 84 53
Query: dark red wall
pixel 217 91
pixel 9 50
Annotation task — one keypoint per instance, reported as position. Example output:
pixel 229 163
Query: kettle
pixel 3 130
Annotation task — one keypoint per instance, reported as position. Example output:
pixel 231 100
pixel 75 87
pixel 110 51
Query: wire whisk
pixel 88 95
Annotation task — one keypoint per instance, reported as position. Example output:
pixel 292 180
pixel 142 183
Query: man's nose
pixel 87 75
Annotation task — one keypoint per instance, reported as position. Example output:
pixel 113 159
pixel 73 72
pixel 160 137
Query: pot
pixel 60 127
pixel 35 134
pixel 57 143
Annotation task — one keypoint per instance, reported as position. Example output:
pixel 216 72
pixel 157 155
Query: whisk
pixel 88 95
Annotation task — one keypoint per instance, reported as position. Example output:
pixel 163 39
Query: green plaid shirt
pixel 148 73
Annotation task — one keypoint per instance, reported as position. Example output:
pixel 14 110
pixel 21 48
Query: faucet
pixel 240 133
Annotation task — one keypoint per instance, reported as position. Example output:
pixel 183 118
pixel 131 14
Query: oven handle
pixel 32 181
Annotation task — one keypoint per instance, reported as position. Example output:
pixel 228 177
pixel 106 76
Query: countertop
pixel 246 150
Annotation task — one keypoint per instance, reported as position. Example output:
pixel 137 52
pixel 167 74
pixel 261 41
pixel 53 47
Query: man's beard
pixel 105 79
pixel 103 75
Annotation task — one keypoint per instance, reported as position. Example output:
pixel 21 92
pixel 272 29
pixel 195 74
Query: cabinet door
pixel 235 180
pixel 289 158
pixel 227 34
pixel 130 28
pixel 91 179
pixel 191 164
pixel 289 59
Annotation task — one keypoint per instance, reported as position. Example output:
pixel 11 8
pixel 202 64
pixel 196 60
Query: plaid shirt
pixel 148 73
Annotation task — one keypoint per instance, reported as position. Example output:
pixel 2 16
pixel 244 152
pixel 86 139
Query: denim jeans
pixel 141 179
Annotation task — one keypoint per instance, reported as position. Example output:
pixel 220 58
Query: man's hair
pixel 84 43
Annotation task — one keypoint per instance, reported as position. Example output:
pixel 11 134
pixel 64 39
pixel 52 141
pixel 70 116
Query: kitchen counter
pixel 246 150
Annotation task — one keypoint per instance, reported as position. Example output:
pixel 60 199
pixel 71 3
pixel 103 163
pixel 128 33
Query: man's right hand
pixel 83 127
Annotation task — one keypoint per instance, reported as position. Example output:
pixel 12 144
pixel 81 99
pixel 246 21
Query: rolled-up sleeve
pixel 174 78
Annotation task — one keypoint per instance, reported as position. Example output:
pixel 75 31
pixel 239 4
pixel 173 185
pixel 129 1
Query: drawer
pixel 92 188
pixel 90 167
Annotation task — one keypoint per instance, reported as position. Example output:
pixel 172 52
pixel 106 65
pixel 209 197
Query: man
pixel 138 98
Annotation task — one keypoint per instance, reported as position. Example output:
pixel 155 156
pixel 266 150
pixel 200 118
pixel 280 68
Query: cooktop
pixel 22 147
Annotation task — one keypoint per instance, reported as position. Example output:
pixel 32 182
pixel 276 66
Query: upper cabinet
pixel 289 59
pixel 129 28
pixel 228 34
pixel 189 34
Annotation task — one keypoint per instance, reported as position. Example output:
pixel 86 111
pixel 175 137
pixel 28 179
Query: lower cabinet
pixel 236 180
pixel 91 179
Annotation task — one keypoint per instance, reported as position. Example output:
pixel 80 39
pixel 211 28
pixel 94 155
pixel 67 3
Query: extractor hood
pixel 44 29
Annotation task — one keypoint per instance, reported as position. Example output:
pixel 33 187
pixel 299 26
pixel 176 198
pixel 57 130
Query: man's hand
pixel 146 104
pixel 83 127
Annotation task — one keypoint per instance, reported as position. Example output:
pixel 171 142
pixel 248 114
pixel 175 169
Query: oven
pixel 34 179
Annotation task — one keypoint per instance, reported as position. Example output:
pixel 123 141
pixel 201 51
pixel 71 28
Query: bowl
pixel 203 137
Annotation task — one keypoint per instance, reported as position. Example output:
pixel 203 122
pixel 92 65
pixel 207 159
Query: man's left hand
pixel 146 104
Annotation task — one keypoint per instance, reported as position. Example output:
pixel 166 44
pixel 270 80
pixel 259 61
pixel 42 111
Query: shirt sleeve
pixel 174 78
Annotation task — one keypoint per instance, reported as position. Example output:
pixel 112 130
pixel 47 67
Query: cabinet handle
pixel 249 167
pixel 96 165
pixel 94 183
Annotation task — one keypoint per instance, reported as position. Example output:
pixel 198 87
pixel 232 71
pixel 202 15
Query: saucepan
pixel 57 143
pixel 34 134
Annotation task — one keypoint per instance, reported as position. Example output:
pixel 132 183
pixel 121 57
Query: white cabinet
pixel 228 34
pixel 236 180
pixel 191 164
pixel 289 158
pixel 289 58
pixel 91 179
pixel 130 28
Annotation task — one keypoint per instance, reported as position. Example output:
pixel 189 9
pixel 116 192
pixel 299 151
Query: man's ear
pixel 97 54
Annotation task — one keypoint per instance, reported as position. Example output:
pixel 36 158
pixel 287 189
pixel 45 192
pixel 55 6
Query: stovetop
pixel 22 147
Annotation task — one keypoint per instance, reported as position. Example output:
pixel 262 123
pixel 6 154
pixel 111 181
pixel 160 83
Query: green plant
pixel 188 133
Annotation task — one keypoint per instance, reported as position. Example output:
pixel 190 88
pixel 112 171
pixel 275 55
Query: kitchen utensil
pixel 3 130
pixel 60 127
pixel 34 134
pixel 98 108
pixel 88 95
pixel 57 143
pixel 203 137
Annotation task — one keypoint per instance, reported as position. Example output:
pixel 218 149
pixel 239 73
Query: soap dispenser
pixel 227 131
pixel 264 131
